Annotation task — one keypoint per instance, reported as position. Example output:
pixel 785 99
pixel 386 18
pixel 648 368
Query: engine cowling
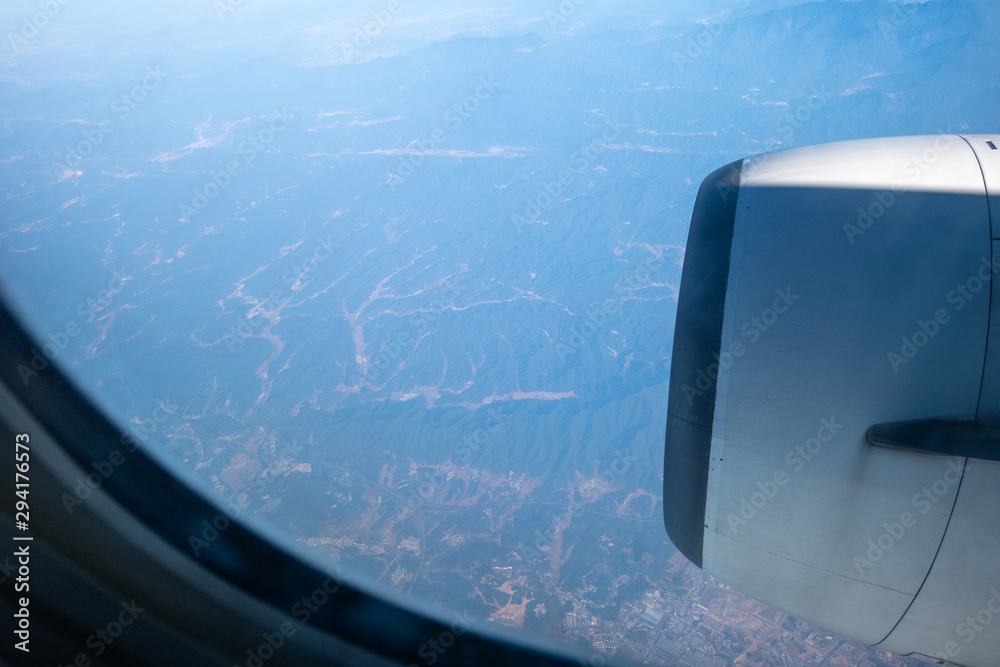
pixel 832 445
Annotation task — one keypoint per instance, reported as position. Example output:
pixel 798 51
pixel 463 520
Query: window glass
pixel 400 277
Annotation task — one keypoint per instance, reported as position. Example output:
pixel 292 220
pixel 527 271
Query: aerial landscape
pixel 399 279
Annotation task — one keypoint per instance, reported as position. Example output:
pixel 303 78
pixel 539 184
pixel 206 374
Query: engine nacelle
pixel 833 428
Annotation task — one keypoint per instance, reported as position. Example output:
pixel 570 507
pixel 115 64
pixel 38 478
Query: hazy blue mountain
pixel 410 304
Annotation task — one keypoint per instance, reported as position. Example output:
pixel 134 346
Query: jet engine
pixel 833 427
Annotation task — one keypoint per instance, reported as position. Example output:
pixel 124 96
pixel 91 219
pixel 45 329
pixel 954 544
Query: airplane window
pixel 399 279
